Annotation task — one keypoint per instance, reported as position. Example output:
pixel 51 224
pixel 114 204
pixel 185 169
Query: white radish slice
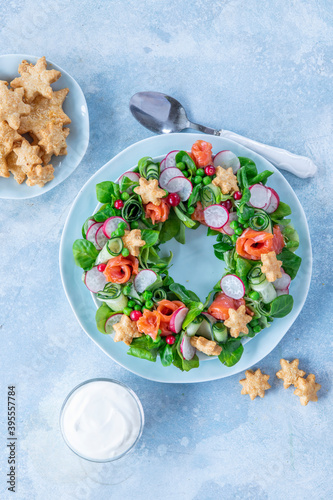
pixel 177 319
pixel 260 196
pixel 133 176
pixel 216 216
pixel 180 185
pixel 168 174
pixel 162 165
pixel 91 233
pixel 144 279
pixel 100 238
pixel 284 291
pixel 111 224
pixel 226 228
pixel 274 201
pixel 94 280
pixel 170 159
pixel 186 348
pixel 112 320
pixel 226 159
pixel 283 282
pixel 87 225
pixel 233 286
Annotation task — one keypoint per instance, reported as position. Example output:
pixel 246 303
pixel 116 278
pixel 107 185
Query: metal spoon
pixel 163 114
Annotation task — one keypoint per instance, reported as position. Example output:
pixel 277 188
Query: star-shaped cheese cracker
pixel 208 347
pixel 15 169
pixel 53 139
pixel 38 175
pixel 11 105
pixel 289 372
pixel 237 321
pixel 307 389
pixel 43 111
pixel 149 191
pixel 132 241
pixel 225 180
pixel 126 330
pixel 271 266
pixel 27 155
pixel 254 384
pixel 35 79
pixel 8 137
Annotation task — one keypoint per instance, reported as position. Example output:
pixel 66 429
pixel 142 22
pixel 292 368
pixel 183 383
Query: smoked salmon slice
pixel 201 152
pixel 252 244
pixel 219 308
pixel 157 213
pixel 149 323
pixel 120 269
pixel 166 308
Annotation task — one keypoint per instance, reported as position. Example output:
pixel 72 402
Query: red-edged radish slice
pixel 177 319
pixel 87 225
pixel 170 159
pixel 180 185
pixel 94 280
pixel 216 216
pixel 285 291
pixel 283 282
pixel 168 174
pixel 226 228
pixel 112 320
pixel 162 165
pixel 260 196
pixel 226 159
pixel 144 279
pixel 274 201
pixel 186 348
pixel 233 286
pixel 132 176
pixel 111 224
pixel 210 318
pixel 100 238
pixel 91 233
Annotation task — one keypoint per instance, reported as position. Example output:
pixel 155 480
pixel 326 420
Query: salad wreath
pixel 141 304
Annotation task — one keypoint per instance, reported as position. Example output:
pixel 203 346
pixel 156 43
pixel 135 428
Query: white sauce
pixel 101 420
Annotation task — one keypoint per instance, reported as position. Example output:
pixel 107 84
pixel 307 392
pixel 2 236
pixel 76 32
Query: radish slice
pixel 187 349
pixel 133 176
pixel 144 279
pixel 274 201
pixel 283 282
pixel 100 238
pixel 226 228
pixel 168 174
pixel 91 233
pixel 87 225
pixel 210 318
pixel 177 319
pixel 285 291
pixel 162 165
pixel 260 196
pixel 111 224
pixel 170 159
pixel 180 185
pixel 233 286
pixel 94 280
pixel 226 159
pixel 216 216
pixel 112 320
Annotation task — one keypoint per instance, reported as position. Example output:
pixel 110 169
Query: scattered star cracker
pixel 225 180
pixel 53 139
pixel 11 105
pixel 271 266
pixel 27 155
pixel 15 169
pixel 43 111
pixel 132 241
pixel 149 191
pixel 237 321
pixel 208 347
pixel 126 330
pixel 38 175
pixel 254 384
pixel 290 372
pixel 306 389
pixel 35 79
pixel 8 137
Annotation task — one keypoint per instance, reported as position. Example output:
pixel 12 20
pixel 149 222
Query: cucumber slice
pixel 193 327
pixel 256 276
pixel 112 248
pixel 205 329
pixel 220 332
pixel 210 195
pixel 268 293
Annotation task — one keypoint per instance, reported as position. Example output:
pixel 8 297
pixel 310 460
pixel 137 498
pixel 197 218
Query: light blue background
pixel 262 69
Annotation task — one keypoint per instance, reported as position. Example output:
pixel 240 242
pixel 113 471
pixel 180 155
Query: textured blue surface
pixel 261 70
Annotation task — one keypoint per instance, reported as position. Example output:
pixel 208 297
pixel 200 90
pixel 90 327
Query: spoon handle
pixel 297 165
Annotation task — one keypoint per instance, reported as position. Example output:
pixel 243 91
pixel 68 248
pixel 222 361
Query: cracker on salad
pixel 289 372
pixel 225 180
pixel 255 384
pixel 208 347
pixel 237 321
pixel 132 241
pixel 126 330
pixel 271 266
pixel 149 191
pixel 12 106
pixel 306 389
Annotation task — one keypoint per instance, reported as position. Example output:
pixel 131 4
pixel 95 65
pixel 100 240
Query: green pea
pixel 122 225
pixel 241 220
pixel 131 303
pixel 238 231
pixel 181 165
pixel 134 224
pixel 234 224
pixel 200 172
pixel 147 295
pixel 257 329
pixel 253 322
pixel 127 311
pixel 185 173
pixel 125 252
pixel 166 194
pixel 149 304
pixel 234 238
pixel 124 196
pixel 206 180
pixel 137 307
pixel 190 210
pixel 245 225
pixel 254 295
pixel 127 290
pixel 197 179
pixel 120 232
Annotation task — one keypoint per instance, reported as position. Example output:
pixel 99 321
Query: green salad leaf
pixel 170 228
pixel 85 254
pixel 104 213
pixel 107 191
pixel 102 315
pixel 195 309
pixel 180 362
pixel 184 295
pixel 145 347
pixel 184 157
pixel 127 185
pixel 166 355
pixel 281 306
pixel 231 353
pixel 283 210
pixel 150 237
pixel 290 262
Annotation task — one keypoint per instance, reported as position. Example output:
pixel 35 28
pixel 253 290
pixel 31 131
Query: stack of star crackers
pixel 32 124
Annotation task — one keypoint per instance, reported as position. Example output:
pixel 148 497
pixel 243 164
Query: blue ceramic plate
pixel 194 264
pixel 75 107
